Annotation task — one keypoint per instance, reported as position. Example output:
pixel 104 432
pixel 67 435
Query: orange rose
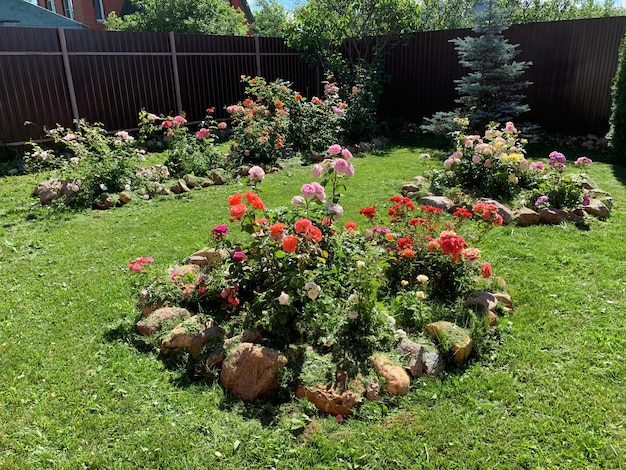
pixel 290 243
pixel 237 211
pixel 255 201
pixel 234 199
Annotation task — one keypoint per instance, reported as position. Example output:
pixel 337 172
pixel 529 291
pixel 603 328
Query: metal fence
pixel 52 76
pixel 574 63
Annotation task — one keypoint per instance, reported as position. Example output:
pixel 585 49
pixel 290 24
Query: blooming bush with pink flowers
pixel 495 166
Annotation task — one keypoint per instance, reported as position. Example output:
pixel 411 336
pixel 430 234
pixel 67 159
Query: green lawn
pixel 76 392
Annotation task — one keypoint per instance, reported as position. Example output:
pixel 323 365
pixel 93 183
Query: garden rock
pixel 207 257
pixel 397 381
pixel 581 181
pixel 125 197
pixel 493 318
pixel 597 208
pixel 434 365
pixel 218 177
pixel 191 181
pixel 211 332
pixel 154 322
pixel 440 202
pixel 503 211
pixel 364 147
pixel 603 196
pixel 415 352
pixel 378 143
pixel 327 400
pixel 105 203
pixel 409 188
pixel 485 300
pixel 504 299
pixel 206 183
pixel 50 190
pixel 180 187
pixel 525 217
pixel 181 336
pixel 553 216
pixel 459 338
pixel 372 391
pixel 250 371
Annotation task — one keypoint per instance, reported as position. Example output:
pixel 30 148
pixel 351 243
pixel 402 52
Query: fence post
pixel 179 101
pixel 68 77
pixel 257 50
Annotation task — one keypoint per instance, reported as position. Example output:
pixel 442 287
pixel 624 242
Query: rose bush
pixel 314 286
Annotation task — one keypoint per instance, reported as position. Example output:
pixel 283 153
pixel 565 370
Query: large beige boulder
pixel 250 371
pixel 397 381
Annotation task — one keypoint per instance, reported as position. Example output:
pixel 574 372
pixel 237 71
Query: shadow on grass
pixel 619 171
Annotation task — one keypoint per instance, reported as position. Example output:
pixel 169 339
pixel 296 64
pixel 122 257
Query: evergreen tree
pixel 492 89
pixel 617 133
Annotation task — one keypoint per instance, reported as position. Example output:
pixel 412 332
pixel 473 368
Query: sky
pixel 289 4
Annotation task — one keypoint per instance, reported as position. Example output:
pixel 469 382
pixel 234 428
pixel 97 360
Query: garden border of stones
pixel 599 206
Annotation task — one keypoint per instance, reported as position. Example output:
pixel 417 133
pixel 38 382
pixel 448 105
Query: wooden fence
pixel 52 76
pixel 574 63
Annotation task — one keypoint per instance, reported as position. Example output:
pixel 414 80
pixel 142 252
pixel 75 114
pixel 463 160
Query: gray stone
pixel 409 188
pixel 154 322
pixel 180 187
pixel 414 351
pixel 434 364
pixel 191 181
pixel 211 332
pixel 49 190
pixel 485 300
pixel 598 209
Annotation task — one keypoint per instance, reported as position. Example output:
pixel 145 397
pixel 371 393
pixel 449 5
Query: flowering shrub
pixel 555 188
pixel 492 165
pixel 189 152
pixel 278 118
pixel 94 162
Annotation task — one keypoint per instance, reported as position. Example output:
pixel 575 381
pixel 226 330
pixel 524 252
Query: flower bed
pixel 494 168
pixel 335 312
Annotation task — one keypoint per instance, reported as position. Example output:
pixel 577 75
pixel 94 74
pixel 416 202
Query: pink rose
pixel 178 120
pixel 346 154
pixel 319 194
pixel 308 190
pixel 318 170
pixel 256 173
pixel 342 166
pixel 476 159
pixel 334 149
pixel 297 201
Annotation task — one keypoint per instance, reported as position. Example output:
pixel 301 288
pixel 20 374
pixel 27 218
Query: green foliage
pixel 270 18
pixel 447 14
pixel 524 11
pixel 617 132
pixel 492 89
pixel 181 16
pixel 347 38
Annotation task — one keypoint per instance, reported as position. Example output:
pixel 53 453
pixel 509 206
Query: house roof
pixel 18 13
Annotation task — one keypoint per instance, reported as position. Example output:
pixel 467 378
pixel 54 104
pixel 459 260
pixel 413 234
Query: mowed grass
pixel 76 392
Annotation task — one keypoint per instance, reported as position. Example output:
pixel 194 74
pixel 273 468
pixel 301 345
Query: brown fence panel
pixel 573 66
pixel 32 83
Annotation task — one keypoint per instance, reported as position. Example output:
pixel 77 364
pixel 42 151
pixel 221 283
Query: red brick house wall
pixel 84 11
